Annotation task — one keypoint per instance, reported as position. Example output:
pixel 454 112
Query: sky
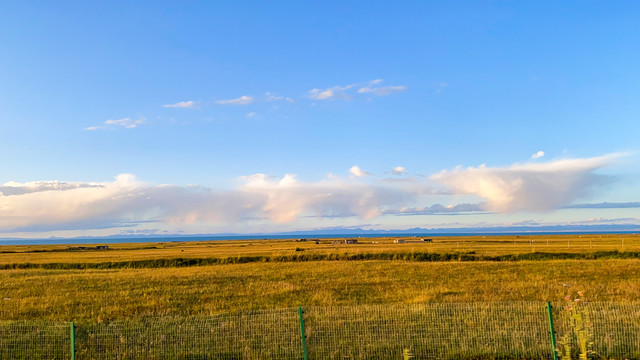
pixel 198 117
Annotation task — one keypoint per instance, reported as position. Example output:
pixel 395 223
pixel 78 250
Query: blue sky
pixel 275 116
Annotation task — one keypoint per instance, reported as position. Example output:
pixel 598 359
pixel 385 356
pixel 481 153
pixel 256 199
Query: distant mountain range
pixel 474 230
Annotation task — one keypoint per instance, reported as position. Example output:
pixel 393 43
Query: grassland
pixel 480 245
pixel 180 278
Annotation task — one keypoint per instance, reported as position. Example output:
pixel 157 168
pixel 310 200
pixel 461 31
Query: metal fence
pixel 35 340
pixel 417 331
pixel 268 334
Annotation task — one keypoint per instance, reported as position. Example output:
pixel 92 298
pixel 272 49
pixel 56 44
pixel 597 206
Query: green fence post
pixel 73 340
pixel 552 331
pixel 304 338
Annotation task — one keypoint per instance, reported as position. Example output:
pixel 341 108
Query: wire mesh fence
pixel 423 331
pixel 26 340
pixel 617 333
pixel 598 330
pixel 433 331
pixel 268 334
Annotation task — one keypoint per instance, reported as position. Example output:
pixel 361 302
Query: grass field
pixel 481 245
pixel 283 273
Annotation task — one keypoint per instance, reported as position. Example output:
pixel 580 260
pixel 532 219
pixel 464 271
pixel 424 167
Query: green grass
pixel 388 256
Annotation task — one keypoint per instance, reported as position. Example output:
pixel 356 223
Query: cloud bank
pixel 44 206
pixel 128 202
pixel 438 209
pixel 529 187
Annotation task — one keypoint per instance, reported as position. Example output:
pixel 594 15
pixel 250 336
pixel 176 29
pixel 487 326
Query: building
pixel 345 241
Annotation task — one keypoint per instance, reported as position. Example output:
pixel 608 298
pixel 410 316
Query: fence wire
pixel 26 340
pixel 432 331
pixel 424 331
pixel 268 334
pixel 600 330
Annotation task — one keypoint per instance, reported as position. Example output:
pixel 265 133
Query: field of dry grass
pixel 106 294
pixel 480 245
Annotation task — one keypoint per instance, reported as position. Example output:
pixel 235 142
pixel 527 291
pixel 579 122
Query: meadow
pixel 63 282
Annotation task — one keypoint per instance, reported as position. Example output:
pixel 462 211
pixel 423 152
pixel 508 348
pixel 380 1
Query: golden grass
pixel 481 245
pixel 278 279
pixel 98 295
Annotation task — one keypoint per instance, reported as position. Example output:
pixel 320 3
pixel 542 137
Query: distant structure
pixel 98 247
pixel 345 241
pixel 403 241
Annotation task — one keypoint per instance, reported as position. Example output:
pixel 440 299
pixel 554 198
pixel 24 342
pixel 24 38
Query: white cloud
pixel 242 100
pixel 357 172
pixel 271 97
pixel 42 206
pixel 347 92
pixel 14 188
pixel 381 91
pixel 398 170
pixel 287 198
pixel 250 115
pixel 602 205
pixel 125 122
pixel 538 155
pixel 438 209
pixel 529 187
pixel 182 104
pixel 46 206
pixel 336 92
